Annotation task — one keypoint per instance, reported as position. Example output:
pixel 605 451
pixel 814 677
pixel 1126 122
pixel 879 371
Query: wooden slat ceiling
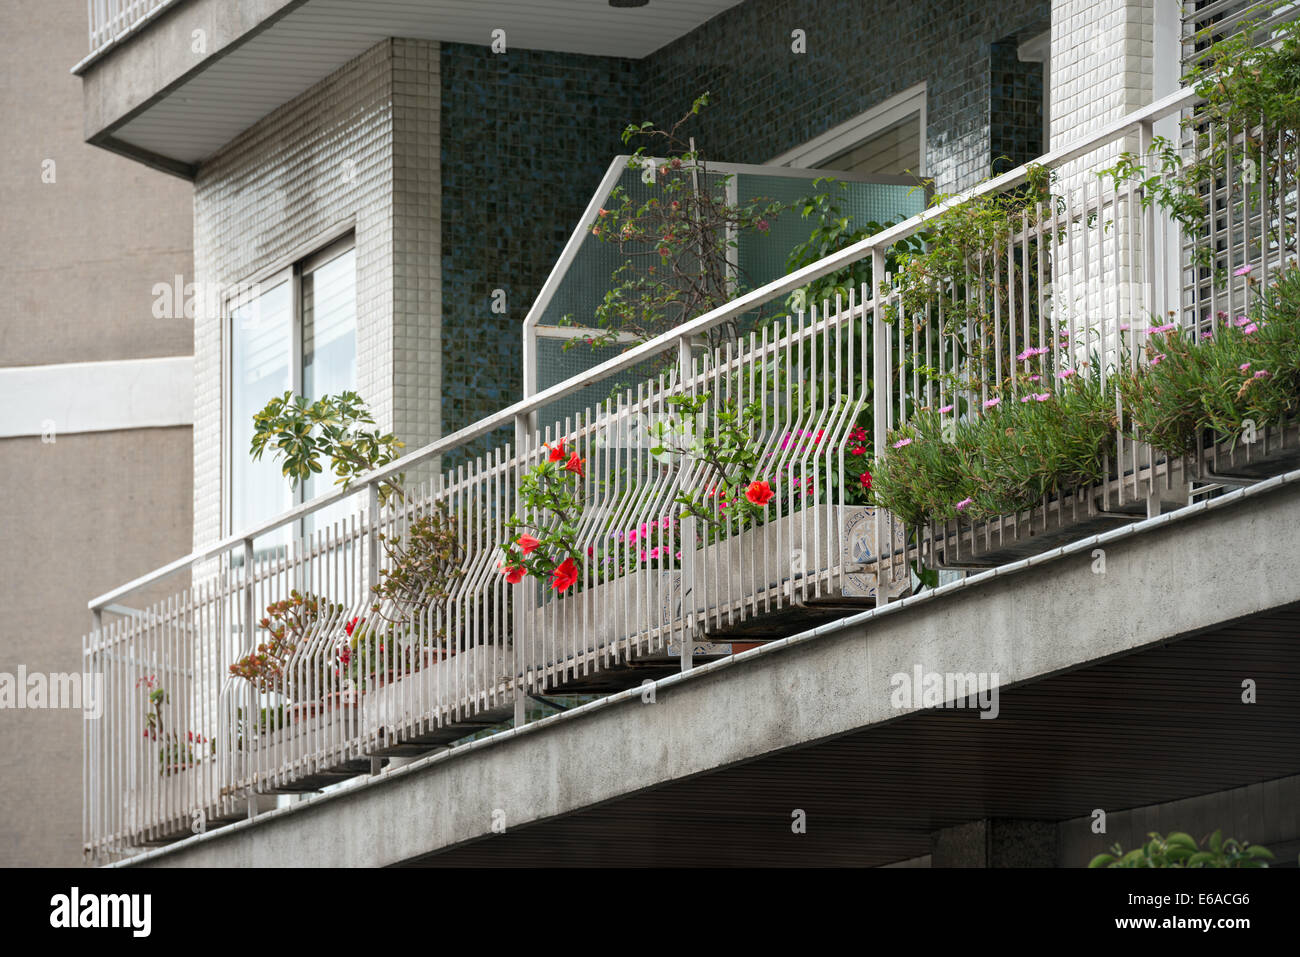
pixel 1144 729
pixel 272 67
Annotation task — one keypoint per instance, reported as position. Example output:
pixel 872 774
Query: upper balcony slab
pixel 173 91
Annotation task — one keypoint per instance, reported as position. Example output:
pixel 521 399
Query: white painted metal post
pixel 248 637
pixel 879 406
pixel 685 361
pixel 523 595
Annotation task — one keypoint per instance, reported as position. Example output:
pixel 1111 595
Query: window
pixel 886 140
pixel 294 331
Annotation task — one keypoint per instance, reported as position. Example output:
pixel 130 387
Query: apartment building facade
pixel 381 195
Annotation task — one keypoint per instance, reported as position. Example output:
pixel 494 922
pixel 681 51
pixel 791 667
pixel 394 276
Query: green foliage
pixel 422 567
pixel 1182 850
pixel 1243 374
pixel 1251 90
pixel 943 464
pixel 961 270
pixel 679 246
pixel 728 488
pixel 301 435
pixel 288 624
pixel 543 543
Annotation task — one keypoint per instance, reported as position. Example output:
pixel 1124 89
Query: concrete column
pixel 995 842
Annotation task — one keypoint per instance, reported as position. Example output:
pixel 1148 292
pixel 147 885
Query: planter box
pixel 794 559
pixel 1008 538
pixel 1276 449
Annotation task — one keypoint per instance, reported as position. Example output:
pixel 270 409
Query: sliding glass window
pixel 295 331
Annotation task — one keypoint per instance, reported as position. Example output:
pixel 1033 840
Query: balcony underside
pixel 152 97
pixel 1149 728
pixel 1119 690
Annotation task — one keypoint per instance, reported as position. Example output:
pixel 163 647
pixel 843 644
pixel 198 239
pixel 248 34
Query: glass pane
pixel 329 357
pixel 261 347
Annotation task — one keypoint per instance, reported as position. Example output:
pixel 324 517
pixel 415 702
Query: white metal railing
pixel 469 660
pixel 111 19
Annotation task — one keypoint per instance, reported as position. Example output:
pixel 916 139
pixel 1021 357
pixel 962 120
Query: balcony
pixel 1077 288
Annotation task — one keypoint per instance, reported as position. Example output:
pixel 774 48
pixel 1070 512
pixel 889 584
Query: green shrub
pixel 940 467
pixel 1181 850
pixel 1246 370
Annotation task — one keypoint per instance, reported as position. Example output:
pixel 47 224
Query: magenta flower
pixel 945 410
pixel 1252 328
pixel 1031 352
pixel 1165 328
pixel 902 442
pixel 1244 367
pixel 961 506
pixel 1261 374
pixel 1243 270
pixel 1035 378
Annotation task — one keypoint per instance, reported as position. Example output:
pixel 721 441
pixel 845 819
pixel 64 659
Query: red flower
pixel 759 493
pixel 528 543
pixel 574 465
pixel 858 450
pixel 565 574
pixel 350 625
pixel 557 453
pixel 514 573
pixel 865 479
pixel 345 656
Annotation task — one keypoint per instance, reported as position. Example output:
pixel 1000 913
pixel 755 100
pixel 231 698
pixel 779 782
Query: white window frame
pixel 848 135
pixel 291 269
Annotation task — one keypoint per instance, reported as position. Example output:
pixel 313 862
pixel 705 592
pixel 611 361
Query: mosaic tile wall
pixel 1016 104
pixel 768 99
pixel 527 136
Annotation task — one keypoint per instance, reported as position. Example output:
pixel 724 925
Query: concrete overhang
pixel 1121 686
pixel 197 73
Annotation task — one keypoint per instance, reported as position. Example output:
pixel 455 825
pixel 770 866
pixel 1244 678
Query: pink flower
pixel 1165 328
pixel 1243 270
pixel 679 556
pixel 1042 397
pixel 902 443
pixel 944 410
pixel 990 403
pixel 1155 359
pixel 1248 330
pixel 961 506
pixel 1035 378
pixel 1261 374
pixel 1244 367
pixel 1031 352
pixel 1025 398
pixel 1241 320
pixel 1065 373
